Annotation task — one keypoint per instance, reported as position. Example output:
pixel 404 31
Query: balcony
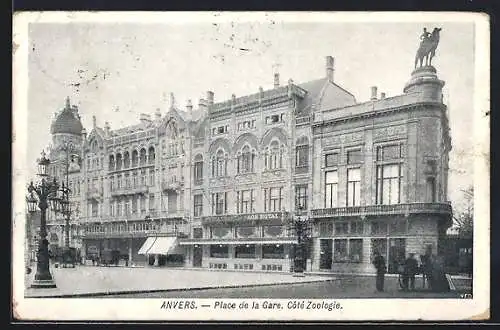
pixel 142 189
pixel 94 193
pixel 375 210
pixel 105 230
pixel 172 185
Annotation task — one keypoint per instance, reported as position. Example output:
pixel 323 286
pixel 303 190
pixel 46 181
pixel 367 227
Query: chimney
pixel 202 104
pixel 261 94
pixel 233 98
pixel 290 83
pixel 382 96
pixel 94 121
pixel 374 93
pixel 107 128
pixel 145 118
pixel 276 80
pixel 189 108
pixel 158 114
pixel 329 68
pixel 210 97
pixel 68 106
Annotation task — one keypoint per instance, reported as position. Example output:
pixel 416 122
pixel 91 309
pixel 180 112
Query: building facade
pixel 217 186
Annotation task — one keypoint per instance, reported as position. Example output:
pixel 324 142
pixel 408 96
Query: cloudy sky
pixel 116 71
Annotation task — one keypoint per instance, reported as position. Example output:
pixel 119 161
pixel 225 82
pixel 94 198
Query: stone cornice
pixel 380 113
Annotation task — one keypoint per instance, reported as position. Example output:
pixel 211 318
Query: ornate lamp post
pixel 42 194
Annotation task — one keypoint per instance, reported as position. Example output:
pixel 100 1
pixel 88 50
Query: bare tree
pixel 464 222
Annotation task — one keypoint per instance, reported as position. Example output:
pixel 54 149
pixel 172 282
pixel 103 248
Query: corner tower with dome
pixel 68 136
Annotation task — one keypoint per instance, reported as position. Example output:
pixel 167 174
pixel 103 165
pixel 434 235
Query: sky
pixel 116 71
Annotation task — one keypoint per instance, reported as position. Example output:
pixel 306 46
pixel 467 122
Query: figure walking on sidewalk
pixel 379 263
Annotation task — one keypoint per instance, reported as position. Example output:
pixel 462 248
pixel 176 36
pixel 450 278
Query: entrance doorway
pixel 197 256
pixel 325 257
pixel 397 253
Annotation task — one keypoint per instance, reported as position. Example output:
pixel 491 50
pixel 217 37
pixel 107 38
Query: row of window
pixel 126 160
pixel 247 231
pixel 126 181
pixel 357 228
pixel 248 251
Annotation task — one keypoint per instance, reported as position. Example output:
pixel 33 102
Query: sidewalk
pixel 83 281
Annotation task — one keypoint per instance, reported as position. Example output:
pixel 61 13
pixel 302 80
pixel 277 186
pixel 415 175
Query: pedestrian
pixel 379 263
pixel 409 272
pixel 426 261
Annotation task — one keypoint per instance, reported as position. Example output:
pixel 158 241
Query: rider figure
pixel 425 35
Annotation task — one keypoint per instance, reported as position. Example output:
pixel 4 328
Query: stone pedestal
pixel 425 82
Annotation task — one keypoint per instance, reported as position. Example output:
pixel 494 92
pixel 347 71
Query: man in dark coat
pixel 379 263
pixel 410 270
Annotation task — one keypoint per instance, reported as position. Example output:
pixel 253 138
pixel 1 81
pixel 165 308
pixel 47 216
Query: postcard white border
pixel 353 309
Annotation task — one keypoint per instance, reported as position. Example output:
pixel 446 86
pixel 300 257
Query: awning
pixel 238 242
pixel 147 245
pixel 163 245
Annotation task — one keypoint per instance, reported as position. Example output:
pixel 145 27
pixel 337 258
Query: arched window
pixel 246 160
pixel 135 156
pixel 151 155
pixel 118 161
pixel 142 158
pixel 111 163
pixel 219 164
pixel 126 159
pixel 275 155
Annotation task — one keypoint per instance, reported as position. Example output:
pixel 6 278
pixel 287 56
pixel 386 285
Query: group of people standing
pixel 431 268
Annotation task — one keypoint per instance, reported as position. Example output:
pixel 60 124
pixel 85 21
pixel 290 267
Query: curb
pixel 116 293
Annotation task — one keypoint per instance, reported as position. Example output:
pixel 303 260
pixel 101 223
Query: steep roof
pixel 324 95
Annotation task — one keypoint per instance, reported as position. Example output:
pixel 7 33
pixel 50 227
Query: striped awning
pixel 147 245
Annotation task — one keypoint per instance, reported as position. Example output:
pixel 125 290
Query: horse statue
pixel 427 48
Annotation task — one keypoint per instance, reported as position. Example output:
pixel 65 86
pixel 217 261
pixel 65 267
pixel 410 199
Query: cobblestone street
pixel 148 282
pixel 89 280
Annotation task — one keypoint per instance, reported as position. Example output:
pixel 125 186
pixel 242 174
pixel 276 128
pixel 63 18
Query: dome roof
pixel 67 122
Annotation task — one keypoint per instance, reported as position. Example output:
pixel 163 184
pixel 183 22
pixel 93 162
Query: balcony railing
pixel 105 230
pixel 142 189
pixel 172 185
pixel 405 209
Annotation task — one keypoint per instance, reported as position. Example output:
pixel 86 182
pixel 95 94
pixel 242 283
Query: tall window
pixel 151 202
pixel 219 203
pixel 143 178
pixel 219 164
pixel 245 201
pixel 198 205
pixel 331 185
pixel 198 169
pixel 301 197
pixel 389 174
pixel 245 161
pixel 275 156
pixel 273 199
pixel 353 187
pixel 126 160
pixel 302 153
pixel 151 177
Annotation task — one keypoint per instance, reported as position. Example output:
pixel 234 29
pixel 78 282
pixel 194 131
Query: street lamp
pixel 301 230
pixel 41 194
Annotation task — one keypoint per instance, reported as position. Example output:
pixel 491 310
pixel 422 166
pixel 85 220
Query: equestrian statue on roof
pixel 427 47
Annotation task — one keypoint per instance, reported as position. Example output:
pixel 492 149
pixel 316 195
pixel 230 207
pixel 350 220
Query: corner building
pixel 217 186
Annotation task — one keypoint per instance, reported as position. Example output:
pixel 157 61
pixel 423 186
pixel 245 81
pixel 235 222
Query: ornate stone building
pixel 216 186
